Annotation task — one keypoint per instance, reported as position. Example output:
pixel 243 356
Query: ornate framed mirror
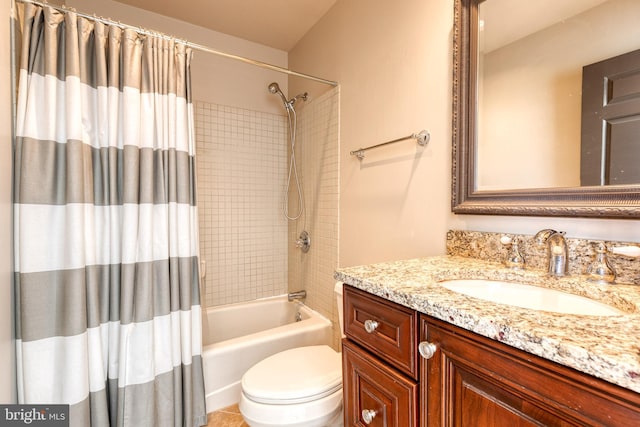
pixel 494 117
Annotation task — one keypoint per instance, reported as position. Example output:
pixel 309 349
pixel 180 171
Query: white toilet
pixel 300 387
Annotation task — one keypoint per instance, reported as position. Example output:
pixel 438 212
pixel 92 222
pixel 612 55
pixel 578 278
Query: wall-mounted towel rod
pixel 422 138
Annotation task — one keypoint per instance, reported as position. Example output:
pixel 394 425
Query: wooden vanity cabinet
pixel 379 362
pixel 475 381
pixel 469 381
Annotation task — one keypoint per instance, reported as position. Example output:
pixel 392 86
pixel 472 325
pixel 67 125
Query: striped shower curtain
pixel 106 245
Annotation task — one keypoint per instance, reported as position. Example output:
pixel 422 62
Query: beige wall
pixel 396 204
pixel 7 377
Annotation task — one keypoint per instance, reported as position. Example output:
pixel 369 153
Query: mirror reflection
pixel 536 128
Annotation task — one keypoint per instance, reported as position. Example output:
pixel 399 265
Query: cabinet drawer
pixel 386 329
pixel 369 386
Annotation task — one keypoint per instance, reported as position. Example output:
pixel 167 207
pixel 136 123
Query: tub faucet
pixel 298 295
pixel 556 250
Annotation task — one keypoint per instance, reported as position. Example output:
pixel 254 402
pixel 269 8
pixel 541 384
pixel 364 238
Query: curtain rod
pixel 195 46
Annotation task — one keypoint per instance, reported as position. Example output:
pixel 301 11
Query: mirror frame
pixel 621 201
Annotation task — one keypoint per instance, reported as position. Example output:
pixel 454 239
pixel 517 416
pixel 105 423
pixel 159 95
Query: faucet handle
pixel 514 260
pixel 506 240
pixel 303 242
pixel 628 251
pixel 600 271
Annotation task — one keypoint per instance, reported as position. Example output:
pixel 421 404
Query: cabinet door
pixel 475 381
pixel 375 394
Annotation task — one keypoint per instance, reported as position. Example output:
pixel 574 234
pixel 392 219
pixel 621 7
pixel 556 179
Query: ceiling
pixel 276 23
pixel 525 17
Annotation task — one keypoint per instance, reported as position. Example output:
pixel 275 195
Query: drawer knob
pixel 368 415
pixel 427 349
pixel 370 325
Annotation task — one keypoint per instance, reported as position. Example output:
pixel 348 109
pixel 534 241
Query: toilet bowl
pixel 299 387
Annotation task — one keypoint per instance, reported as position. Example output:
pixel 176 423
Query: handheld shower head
pixel 274 88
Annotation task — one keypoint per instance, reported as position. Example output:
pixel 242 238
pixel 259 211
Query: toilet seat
pixel 294 376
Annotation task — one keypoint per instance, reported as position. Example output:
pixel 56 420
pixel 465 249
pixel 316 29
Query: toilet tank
pixel 338 291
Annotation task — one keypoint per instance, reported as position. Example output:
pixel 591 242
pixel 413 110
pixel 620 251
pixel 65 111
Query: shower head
pixel 274 88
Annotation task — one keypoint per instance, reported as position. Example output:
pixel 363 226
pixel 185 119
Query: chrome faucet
pixel 298 295
pixel 556 250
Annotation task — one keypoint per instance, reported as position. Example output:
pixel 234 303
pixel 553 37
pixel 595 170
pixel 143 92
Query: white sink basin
pixel 533 297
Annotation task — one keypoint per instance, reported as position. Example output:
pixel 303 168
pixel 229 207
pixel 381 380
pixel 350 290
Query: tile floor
pixel 226 417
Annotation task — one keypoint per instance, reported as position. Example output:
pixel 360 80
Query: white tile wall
pixel 317 150
pixel 249 248
pixel 241 160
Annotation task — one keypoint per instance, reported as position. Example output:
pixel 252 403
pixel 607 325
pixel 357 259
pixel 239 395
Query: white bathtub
pixel 237 336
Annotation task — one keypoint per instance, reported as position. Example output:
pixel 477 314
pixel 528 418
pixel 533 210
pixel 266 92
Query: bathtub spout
pixel 298 295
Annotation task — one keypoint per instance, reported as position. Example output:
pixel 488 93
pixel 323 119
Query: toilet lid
pixel 297 375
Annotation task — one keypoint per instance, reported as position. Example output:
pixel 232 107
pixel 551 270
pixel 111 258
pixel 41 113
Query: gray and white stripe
pixel 106 224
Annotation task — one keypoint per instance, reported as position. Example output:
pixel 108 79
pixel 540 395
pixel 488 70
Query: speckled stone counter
pixel 605 347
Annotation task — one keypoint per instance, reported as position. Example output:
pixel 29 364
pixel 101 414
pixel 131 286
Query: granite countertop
pixel 605 347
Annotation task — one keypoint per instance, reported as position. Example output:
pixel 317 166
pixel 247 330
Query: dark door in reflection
pixel 610 147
